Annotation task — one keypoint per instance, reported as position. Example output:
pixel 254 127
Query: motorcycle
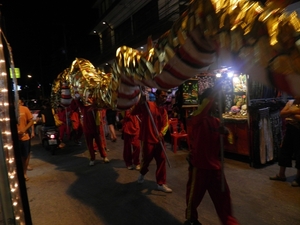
pixel 50 139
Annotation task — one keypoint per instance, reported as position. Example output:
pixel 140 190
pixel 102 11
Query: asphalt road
pixel 64 190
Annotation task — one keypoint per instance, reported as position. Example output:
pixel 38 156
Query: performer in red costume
pixel 64 129
pixel 91 130
pixel 131 131
pixel 100 120
pixel 205 173
pixel 151 147
pixel 77 129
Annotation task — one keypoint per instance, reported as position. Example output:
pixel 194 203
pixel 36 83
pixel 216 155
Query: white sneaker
pixel 106 160
pixel 138 167
pixel 130 167
pixel 164 188
pixel 92 163
pixel 140 179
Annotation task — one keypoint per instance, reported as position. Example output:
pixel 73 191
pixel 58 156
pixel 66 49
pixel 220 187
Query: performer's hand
pixel 160 137
pixel 21 133
pixel 294 110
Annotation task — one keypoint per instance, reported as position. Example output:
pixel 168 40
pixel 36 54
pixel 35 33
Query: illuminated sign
pixel 17 73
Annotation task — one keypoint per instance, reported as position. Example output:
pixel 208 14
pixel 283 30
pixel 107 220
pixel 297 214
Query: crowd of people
pixel 143 129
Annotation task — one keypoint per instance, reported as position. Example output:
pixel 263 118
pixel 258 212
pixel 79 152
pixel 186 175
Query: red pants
pixel 64 129
pixel 102 137
pixel 200 181
pixel 77 133
pixel 150 151
pixel 89 141
pixel 131 157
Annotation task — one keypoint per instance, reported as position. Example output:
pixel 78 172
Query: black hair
pixel 47 103
pixel 158 92
pixel 206 93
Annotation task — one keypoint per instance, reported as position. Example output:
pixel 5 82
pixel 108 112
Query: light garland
pixel 12 202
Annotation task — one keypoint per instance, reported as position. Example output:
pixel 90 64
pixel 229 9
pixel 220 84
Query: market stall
pixel 250 111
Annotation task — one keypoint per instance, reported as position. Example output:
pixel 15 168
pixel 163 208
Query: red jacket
pixel 160 117
pixel 131 124
pixel 89 114
pixel 205 143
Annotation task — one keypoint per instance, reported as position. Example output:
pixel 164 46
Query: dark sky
pixel 46 36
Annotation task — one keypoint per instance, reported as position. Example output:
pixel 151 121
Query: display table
pixel 239 129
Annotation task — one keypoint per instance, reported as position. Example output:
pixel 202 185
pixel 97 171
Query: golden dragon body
pixel 259 40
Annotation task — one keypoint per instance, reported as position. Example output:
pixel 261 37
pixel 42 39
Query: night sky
pixel 46 37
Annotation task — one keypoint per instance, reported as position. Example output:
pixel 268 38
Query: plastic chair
pixel 177 133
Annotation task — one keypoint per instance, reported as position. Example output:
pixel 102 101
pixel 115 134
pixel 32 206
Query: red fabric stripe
pixel 66 96
pixel 163 84
pixel 187 57
pixel 175 73
pixel 129 96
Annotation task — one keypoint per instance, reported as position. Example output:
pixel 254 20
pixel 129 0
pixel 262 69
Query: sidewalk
pixel 64 190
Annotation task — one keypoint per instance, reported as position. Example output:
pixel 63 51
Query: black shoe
pixel 195 222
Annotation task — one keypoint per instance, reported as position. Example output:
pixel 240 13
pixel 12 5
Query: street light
pixel 104 23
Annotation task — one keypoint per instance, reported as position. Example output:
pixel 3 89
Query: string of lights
pixel 11 199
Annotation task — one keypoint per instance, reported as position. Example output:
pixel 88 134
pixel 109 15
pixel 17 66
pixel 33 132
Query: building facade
pixel 131 22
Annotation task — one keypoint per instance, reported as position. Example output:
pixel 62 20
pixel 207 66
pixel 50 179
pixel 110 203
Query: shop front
pixel 249 110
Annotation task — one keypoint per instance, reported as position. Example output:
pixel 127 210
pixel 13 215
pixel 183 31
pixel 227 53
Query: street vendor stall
pixel 235 114
pixel 250 111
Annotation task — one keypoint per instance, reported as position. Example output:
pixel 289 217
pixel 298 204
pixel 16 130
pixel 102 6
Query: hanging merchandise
pixel 235 93
pixel 190 92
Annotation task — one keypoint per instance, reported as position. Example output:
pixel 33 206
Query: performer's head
pixel 210 97
pixel 207 93
pixel 161 96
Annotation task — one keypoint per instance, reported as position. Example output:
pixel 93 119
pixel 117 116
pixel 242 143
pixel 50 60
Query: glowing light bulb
pixel 230 74
pixel 235 79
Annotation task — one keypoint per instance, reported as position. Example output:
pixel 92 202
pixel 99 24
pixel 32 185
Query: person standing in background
pixel 47 115
pixel 24 124
pixel 111 122
pixel 131 130
pixel 31 133
pixel 151 146
pixel 291 141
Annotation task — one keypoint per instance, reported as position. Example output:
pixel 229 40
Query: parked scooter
pixel 50 139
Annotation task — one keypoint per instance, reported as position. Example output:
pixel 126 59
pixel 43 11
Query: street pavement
pixel 64 190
